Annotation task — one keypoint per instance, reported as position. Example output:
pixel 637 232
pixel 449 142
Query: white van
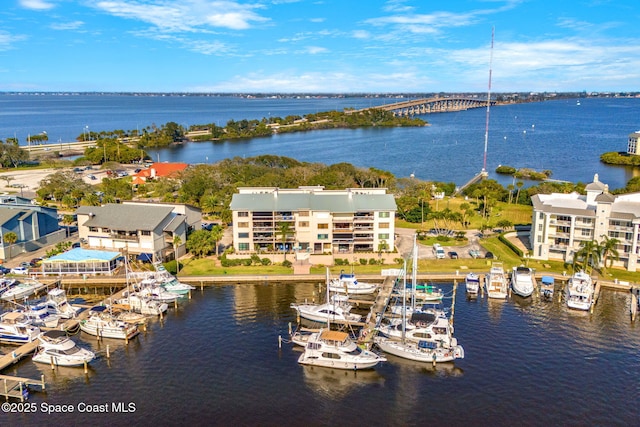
pixel 440 253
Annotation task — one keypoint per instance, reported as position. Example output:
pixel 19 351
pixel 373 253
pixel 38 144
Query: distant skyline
pixel 339 46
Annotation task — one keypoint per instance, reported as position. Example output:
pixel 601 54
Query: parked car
pixel 4 270
pixel 453 254
pixel 34 262
pixel 20 270
pixel 91 177
pixel 489 255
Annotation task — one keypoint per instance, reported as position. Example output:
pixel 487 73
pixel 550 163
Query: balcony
pixel 127 237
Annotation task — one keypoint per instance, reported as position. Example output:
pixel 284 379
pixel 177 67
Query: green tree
pixel 217 232
pixel 177 241
pixel 284 231
pixel 10 237
pixel 587 256
pixel 201 243
pixel 68 220
pixel 609 250
pixel 519 184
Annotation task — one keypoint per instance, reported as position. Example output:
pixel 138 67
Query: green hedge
pixel 511 246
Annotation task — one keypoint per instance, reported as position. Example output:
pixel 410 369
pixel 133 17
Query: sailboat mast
pixel 486 128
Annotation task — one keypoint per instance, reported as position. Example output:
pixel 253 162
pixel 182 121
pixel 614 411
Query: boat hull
pixel 413 352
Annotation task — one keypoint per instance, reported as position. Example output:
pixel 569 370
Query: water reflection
pixel 439 370
pixel 336 384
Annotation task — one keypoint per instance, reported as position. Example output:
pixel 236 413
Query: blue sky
pixel 319 45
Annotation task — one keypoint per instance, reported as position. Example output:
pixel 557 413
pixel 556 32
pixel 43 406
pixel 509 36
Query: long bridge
pixel 430 105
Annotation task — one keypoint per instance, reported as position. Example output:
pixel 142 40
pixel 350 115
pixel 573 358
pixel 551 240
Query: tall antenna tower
pixel 486 128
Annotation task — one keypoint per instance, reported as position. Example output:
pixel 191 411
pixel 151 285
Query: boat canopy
pixel 427 318
pixel 547 280
pixel 427 344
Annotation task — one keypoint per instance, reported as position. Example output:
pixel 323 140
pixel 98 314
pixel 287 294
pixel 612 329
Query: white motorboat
pixel 22 290
pixel 157 293
pixel 334 349
pixel 58 349
pixel 523 281
pixel 57 304
pixel 103 324
pixel 39 315
pixel 472 283
pixel 337 310
pixel 421 326
pixel 580 291
pixel 170 283
pixel 16 329
pixel 6 284
pixel 547 287
pixel 143 304
pixel 496 282
pixel 348 284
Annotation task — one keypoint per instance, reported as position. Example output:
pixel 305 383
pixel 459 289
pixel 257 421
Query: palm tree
pixel 519 184
pixel 10 237
pixel 284 230
pixel 68 220
pixel 589 252
pixel 177 241
pixel 216 234
pixel 609 250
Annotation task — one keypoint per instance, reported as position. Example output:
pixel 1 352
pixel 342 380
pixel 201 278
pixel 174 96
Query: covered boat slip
pixel 80 262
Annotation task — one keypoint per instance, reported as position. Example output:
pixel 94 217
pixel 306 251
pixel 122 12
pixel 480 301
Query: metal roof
pixel 282 202
pixel 83 255
pixel 125 217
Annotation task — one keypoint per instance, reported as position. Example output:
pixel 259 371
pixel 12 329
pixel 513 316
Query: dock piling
pixel 108 354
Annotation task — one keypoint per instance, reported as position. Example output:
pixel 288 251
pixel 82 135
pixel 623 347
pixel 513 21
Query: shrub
pixel 510 245
pixel 363 261
pixel 265 261
pixel 373 261
pixel 172 267
pixel 286 263
pixel 443 238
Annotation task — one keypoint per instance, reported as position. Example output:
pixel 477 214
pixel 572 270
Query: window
pixel 303 213
pixel 243 235
pixel 145 233
pixel 586 232
pixel 323 237
pixel 243 224
pixel 93 229
pixel 541 215
pixel 540 227
pixel 539 239
pixel 105 230
pixel 243 214
pixel 303 224
pixel 323 226
pixel 383 225
pixel 383 236
pixel 383 214
pixel 243 246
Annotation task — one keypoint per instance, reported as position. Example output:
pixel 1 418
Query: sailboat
pixel 426 349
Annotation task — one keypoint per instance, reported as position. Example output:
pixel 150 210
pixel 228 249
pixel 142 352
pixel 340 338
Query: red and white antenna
pixel 486 129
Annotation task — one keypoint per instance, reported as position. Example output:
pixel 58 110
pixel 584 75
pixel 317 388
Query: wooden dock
pixel 379 306
pixel 17 354
pixel 17 387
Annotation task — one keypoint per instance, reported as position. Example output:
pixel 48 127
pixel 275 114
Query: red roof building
pixel 158 170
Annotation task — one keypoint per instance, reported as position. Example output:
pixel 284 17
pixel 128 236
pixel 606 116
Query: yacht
pixel 522 281
pixel 347 284
pixel 57 303
pixel 334 349
pixel 6 284
pixel 39 315
pixel 16 329
pixel 432 326
pixel 472 283
pixel 170 283
pixel 336 310
pixel 58 349
pixel 103 324
pixel 580 291
pixel 22 290
pixel 143 304
pixel 495 282
pixel 420 351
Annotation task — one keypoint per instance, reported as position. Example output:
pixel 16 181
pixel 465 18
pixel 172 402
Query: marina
pixel 223 314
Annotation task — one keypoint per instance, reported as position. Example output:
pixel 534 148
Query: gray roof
pixel 125 217
pixel 7 214
pixel 175 222
pixel 338 203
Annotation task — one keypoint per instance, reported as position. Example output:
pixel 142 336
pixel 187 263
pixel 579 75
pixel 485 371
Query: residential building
pixel 134 228
pixel 158 170
pixel 319 221
pixel 35 226
pixel 633 145
pixel 561 222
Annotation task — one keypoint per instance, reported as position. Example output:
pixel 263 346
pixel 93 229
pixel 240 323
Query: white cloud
pixel 36 4
pixel 7 40
pixel 186 16
pixel 67 25
pixel 313 50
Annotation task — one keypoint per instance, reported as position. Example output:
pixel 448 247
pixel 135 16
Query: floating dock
pixel 17 387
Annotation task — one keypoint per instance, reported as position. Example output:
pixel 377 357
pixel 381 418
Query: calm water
pixel 215 361
pixel 556 135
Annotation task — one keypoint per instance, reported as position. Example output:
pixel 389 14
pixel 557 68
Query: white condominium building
pixel 562 221
pixel 313 220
